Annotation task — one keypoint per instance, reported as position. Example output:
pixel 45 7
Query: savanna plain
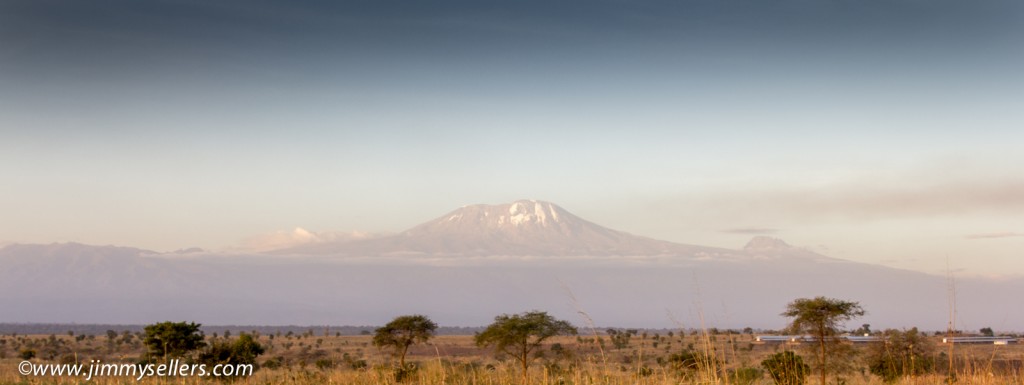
pixel 605 356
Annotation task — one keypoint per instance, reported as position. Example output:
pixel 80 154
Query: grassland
pixel 646 358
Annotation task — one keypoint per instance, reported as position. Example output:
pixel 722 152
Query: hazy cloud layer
pixel 751 231
pixel 864 200
pixel 994 235
pixel 298 237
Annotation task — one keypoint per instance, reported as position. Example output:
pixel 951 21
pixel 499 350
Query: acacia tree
pixel 521 335
pixel 173 339
pixel 404 331
pixel 822 318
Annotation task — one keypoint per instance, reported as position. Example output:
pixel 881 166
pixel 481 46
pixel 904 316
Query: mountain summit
pixel 767 243
pixel 519 221
pixel 528 215
pixel 520 228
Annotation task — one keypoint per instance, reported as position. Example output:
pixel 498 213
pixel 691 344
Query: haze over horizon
pixel 886 133
pixel 477 261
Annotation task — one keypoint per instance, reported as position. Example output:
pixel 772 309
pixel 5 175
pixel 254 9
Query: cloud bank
pixel 298 237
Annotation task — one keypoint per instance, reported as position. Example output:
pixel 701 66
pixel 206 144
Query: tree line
pixel 522 338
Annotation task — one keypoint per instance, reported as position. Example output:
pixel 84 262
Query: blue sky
pixel 887 132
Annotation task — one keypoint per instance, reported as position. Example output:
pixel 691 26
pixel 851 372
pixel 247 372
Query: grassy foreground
pixel 645 358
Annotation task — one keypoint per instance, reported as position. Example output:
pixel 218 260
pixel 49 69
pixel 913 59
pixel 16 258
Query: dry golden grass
pixel 455 360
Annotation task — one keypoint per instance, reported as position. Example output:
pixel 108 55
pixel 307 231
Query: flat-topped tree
pixel 173 339
pixel 822 318
pixel 404 331
pixel 521 335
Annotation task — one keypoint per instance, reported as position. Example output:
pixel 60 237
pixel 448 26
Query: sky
pixel 886 132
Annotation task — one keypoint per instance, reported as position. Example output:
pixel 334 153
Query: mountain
pixel 477 262
pixel 521 228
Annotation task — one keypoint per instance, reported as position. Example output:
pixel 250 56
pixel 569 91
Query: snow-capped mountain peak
pixel 515 214
pixel 767 243
pixel 532 212
pixel 523 228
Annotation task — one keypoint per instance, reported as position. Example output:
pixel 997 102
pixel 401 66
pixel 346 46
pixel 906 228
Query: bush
pixel 324 364
pixel 684 361
pixel 746 376
pixel 274 363
pixel 406 372
pixel 904 353
pixel 353 362
pixel 242 351
pixel 786 368
pixel 27 354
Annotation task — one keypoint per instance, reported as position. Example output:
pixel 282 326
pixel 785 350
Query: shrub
pixel 354 363
pixel 242 351
pixel 684 361
pixel 27 354
pixel 746 376
pixel 904 353
pixel 274 363
pixel 786 368
pixel 324 364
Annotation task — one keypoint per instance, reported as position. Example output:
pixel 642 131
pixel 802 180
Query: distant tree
pixel 402 332
pixel 864 329
pixel 173 339
pixel 521 335
pixel 822 318
pixel 987 332
pixel 111 335
pixel 902 353
pixel 620 340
